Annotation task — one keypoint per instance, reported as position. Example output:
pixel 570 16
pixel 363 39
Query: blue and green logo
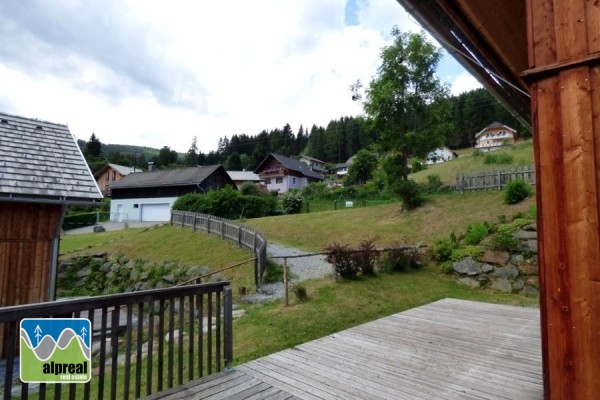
pixel 56 350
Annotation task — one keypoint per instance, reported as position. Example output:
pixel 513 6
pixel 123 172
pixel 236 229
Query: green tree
pixel 362 167
pixel 93 148
pixel 405 99
pixel 233 162
pixel 167 157
pixel 191 157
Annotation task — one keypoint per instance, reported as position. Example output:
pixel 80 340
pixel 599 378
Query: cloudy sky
pixel 158 73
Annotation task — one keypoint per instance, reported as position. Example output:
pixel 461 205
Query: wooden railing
pixel 244 236
pixel 494 180
pixel 146 341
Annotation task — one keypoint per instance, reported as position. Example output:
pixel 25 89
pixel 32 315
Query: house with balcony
pixel 314 164
pixel 281 173
pixel 494 136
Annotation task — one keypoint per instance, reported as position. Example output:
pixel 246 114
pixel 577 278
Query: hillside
pixel 471 161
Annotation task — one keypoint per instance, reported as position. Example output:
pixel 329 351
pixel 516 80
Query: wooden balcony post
pixel 564 62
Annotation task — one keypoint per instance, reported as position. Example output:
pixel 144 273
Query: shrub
pixel 400 260
pixel 410 193
pixel 291 202
pixel 340 257
pixel 503 239
pixel 250 189
pixel 447 267
pixel 364 258
pixel 443 248
pixel 516 191
pixel 434 184
pixel 257 206
pixel 476 233
pixel 300 292
pixel 498 159
pixel 464 252
pixel 273 272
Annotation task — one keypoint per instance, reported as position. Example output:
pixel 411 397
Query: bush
pixel 443 248
pixel 498 159
pixel 400 260
pixel 273 272
pixel 433 185
pixel 410 193
pixel 291 202
pixel 516 191
pixel 503 239
pixel 250 189
pixel 340 257
pixel 476 233
pixel 464 252
pixel 300 292
pixel 364 258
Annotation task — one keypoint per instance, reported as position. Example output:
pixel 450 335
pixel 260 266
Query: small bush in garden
pixel 340 257
pixel 300 292
pixel 433 185
pixel 463 252
pixel 250 189
pixel 410 193
pixel 292 202
pixel 364 259
pixel 447 267
pixel 503 239
pixel 443 248
pixel 516 191
pixel 476 233
pixel 518 223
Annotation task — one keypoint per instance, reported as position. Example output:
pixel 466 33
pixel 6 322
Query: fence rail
pixel 494 180
pixel 146 341
pixel 244 236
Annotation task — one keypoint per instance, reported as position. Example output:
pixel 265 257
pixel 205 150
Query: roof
pixel 247 176
pixel 171 177
pixel 121 169
pixel 40 161
pixel 489 39
pixel 292 165
pixel 495 125
pixel 312 159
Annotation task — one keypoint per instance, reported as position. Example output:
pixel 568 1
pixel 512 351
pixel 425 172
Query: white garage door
pixel 156 212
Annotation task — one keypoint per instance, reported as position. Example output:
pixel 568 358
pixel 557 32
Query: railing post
pixel 239 236
pixel 208 224
pixel 194 226
pixel 183 219
pixel 227 327
pixel 222 229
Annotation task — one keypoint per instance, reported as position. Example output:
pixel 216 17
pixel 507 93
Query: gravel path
pixel 300 269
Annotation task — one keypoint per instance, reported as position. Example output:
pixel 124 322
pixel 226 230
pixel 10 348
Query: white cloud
pixel 464 82
pixel 156 73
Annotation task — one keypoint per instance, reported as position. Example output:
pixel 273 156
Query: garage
pixel 156 212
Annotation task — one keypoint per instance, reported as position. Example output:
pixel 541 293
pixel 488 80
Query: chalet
pixel 241 177
pixel 42 171
pixel 440 155
pixel 149 196
pixel 110 174
pixel 494 136
pixel 281 173
pixel 341 170
pixel 314 164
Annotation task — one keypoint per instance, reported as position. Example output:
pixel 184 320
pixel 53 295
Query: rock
pixel 483 280
pixel 85 271
pixel 130 264
pixel 99 228
pixel 495 257
pixel 510 271
pixel 467 266
pixel 529 268
pixel 525 235
pixel 238 313
pixel 134 274
pixel 533 281
pixel 487 268
pixel 170 278
pixel 98 255
pixel 530 291
pixel 517 259
pixel 470 282
pixel 197 270
pixel 502 284
pixel 530 227
pixel 518 284
pixel 528 246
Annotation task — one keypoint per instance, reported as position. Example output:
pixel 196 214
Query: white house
pixel 440 155
pixel 494 136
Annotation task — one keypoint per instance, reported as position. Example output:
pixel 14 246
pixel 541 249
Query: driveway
pixel 113 226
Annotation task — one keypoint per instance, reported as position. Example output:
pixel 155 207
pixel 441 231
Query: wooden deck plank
pixel 450 349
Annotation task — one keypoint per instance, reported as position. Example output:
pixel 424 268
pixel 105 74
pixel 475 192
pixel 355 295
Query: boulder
pixel 502 284
pixel 518 284
pixel 487 268
pixel 529 268
pixel 467 266
pixel 495 257
pixel 525 235
pixel 517 259
pixel 530 227
pixel 529 246
pixel 510 271
pixel 533 281
pixel 470 282
pixel 530 291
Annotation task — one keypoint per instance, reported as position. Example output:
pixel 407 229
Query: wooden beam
pixel 566 127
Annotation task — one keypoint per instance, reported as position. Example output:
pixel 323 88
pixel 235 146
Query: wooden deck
pixel 450 349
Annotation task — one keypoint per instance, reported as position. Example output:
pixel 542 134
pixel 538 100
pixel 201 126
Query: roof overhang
pixel 488 38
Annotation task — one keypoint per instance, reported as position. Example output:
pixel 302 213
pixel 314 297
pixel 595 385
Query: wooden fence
pixel 147 341
pixel 494 180
pixel 244 236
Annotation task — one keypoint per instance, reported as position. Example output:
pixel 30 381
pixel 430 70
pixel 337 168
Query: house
pixel 440 155
pixel 494 136
pixel 281 173
pixel 149 196
pixel 341 170
pixel 109 174
pixel 42 171
pixel 314 164
pixel 241 177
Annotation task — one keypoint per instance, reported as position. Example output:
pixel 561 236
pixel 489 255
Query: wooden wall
pixel 564 57
pixel 26 234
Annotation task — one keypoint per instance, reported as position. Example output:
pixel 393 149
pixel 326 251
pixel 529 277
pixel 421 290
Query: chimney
pixel 150 166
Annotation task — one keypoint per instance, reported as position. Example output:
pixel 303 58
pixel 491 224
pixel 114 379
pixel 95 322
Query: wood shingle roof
pixel 41 161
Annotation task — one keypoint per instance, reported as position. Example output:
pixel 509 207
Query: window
pixel 114 175
pixel 136 206
pixel 278 180
pixel 294 180
pixel 268 181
